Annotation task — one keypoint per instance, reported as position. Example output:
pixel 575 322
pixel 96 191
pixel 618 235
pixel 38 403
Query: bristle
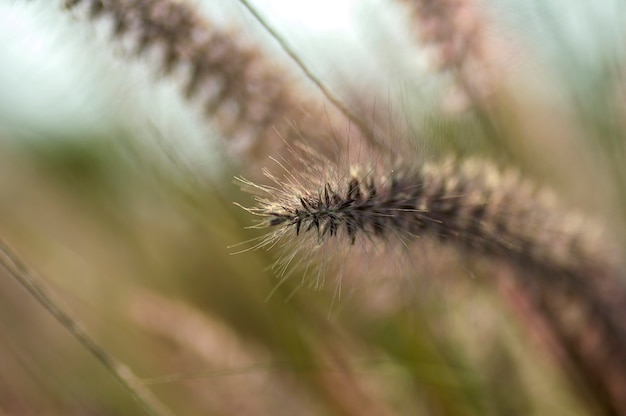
pixel 478 207
pixel 480 210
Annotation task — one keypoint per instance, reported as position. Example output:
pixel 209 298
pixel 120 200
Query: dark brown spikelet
pixel 251 99
pixel 564 264
pixel 470 203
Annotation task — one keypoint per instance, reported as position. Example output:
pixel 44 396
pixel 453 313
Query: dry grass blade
pixel 360 123
pixel 21 273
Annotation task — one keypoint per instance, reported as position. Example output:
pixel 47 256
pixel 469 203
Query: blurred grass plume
pixel 124 122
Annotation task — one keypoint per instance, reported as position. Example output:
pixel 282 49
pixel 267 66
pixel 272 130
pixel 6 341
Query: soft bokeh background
pixel 120 196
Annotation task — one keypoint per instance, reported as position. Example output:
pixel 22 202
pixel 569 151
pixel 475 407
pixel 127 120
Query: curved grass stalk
pixel 124 375
pixel 562 260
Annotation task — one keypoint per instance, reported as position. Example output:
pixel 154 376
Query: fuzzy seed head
pixel 470 205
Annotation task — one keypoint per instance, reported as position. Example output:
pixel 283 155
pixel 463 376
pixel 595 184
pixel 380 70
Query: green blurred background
pixel 120 196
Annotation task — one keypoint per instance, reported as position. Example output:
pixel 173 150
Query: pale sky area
pixel 52 73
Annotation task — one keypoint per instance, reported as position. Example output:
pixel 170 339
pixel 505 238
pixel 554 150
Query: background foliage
pixel 119 195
